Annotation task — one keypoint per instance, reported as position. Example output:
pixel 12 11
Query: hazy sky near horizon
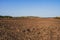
pixel 43 8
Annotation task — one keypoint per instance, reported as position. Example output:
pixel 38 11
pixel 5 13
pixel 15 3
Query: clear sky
pixel 42 8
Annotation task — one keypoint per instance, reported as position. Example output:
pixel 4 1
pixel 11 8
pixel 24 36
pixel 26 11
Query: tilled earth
pixel 29 29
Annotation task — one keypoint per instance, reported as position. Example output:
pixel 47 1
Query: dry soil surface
pixel 29 29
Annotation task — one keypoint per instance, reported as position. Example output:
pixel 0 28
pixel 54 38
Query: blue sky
pixel 42 8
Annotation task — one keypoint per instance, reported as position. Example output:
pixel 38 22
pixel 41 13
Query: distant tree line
pixel 57 17
pixel 5 16
pixel 25 17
